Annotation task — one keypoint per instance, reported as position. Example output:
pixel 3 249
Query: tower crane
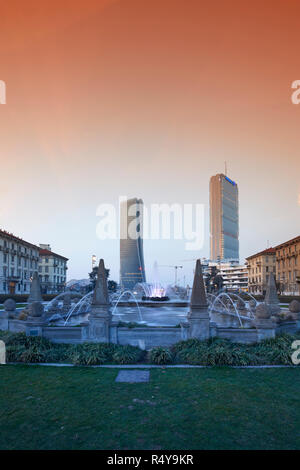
pixel 172 266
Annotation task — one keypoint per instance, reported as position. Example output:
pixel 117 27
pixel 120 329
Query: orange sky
pixel 147 99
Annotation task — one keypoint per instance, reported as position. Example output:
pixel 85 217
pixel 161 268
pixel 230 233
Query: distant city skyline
pixel 105 98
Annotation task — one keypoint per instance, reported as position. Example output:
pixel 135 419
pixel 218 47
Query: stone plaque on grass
pixel 133 376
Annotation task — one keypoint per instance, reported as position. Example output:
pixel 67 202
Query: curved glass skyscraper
pixel 132 268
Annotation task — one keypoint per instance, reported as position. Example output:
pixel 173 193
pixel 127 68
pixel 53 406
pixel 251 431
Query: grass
pixel 83 408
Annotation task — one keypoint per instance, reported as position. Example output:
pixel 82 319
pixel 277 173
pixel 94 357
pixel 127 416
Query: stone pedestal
pixel 198 319
pixel 34 328
pixel 99 328
pixel 198 316
pixel 3 323
pixel 100 316
pixel 265 329
pixel 213 328
pixel 114 332
pixel 35 310
pixel 184 331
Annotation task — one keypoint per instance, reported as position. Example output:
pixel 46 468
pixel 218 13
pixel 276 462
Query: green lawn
pixel 83 408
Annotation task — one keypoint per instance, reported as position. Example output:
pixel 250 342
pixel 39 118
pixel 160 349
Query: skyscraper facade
pixel 132 268
pixel 224 219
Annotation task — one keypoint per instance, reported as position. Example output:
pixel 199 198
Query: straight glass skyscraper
pixel 224 219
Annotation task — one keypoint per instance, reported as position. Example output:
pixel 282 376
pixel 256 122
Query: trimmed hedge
pixel 213 352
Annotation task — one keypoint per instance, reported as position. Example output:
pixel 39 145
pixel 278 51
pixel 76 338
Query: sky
pixel 147 99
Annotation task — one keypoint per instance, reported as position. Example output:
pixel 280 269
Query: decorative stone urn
pixel 263 322
pixel 294 308
pixel 9 308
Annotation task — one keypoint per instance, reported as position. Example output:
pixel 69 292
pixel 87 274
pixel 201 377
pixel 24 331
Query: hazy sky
pixel 147 99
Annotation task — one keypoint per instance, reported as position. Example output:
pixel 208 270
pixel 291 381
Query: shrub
pixel 275 351
pixel 190 343
pixel 213 352
pixel 160 355
pixel 32 354
pixel 127 355
pixel 59 353
pixel 20 339
pixel 92 353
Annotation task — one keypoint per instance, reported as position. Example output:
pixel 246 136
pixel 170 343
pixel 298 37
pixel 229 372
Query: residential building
pixel 52 270
pixel 224 219
pixel 235 276
pixel 18 262
pixel 288 266
pixel 260 265
pixel 132 268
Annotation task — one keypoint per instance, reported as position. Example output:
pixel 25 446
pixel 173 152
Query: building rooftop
pixel 289 242
pixel 13 237
pixel 49 253
pixel 268 251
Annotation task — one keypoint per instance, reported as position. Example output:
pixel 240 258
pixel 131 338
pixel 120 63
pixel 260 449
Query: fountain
pixel 236 317
pixel 128 292
pixel 229 308
pixel 84 303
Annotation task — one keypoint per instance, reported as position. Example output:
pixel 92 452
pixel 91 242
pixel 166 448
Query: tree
pixel 111 285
